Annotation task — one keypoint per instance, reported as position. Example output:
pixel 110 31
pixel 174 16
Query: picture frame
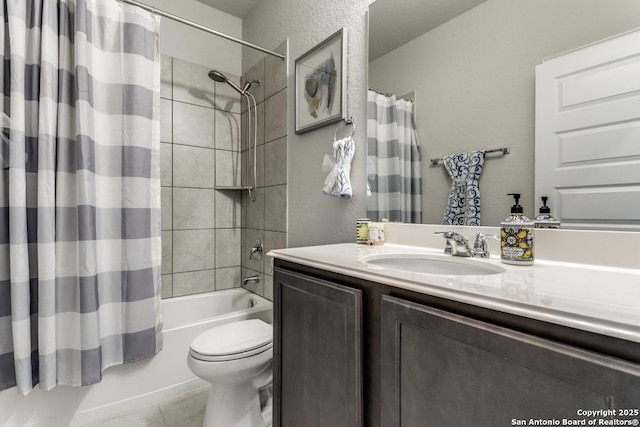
pixel 321 84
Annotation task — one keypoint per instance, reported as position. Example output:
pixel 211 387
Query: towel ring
pixel 346 122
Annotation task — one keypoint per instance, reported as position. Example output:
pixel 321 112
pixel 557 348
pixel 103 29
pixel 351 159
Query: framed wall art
pixel 321 84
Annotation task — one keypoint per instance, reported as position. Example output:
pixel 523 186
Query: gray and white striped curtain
pixel 394 160
pixel 80 247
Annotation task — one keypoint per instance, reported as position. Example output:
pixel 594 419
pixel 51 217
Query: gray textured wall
pixel 194 45
pixel 312 217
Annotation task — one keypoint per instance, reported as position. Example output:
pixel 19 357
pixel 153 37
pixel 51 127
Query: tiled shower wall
pixel 265 218
pixel 201 227
pixel 207 233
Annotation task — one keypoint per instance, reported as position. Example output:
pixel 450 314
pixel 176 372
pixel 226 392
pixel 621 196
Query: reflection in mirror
pixel 588 134
pixel 394 169
pixel 471 65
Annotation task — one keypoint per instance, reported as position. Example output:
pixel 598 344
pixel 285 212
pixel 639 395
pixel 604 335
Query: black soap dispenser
pixel 545 219
pixel 516 236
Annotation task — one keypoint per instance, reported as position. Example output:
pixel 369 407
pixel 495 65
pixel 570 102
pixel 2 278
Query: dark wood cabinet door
pixel 317 352
pixel 440 369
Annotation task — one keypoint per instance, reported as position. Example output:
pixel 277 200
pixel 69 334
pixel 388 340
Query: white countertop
pixel 598 299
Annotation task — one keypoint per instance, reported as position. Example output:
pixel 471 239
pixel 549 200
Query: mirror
pixel 471 66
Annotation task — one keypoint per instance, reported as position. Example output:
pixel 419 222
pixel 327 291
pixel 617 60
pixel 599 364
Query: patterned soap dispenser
pixel 516 236
pixel 545 219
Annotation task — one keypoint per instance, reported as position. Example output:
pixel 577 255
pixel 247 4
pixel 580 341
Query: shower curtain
pixel 80 243
pixel 463 205
pixel 394 168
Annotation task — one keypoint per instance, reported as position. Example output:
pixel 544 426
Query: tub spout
pixel 251 279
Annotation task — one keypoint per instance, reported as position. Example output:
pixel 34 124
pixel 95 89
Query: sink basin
pixel 434 264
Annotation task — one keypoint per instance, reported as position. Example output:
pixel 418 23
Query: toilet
pixel 235 358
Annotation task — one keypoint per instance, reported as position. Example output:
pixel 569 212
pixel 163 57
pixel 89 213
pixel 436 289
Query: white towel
pixel 338 183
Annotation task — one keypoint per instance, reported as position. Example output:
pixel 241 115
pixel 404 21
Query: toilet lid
pixel 233 338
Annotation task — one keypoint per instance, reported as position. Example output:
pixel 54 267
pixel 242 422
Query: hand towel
pixel 338 182
pixel 463 207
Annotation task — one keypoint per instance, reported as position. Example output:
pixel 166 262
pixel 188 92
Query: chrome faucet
pixel 480 244
pixel 251 279
pixel 458 245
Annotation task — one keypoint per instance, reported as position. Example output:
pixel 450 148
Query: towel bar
pixel 503 150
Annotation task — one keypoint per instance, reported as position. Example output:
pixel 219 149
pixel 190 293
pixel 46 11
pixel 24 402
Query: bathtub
pixel 130 386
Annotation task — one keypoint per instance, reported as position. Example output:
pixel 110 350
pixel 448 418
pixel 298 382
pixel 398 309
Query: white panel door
pixel 588 134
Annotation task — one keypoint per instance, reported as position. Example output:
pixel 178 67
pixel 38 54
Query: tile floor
pixel 186 410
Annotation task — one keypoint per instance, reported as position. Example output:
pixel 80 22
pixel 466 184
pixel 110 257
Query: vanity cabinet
pixel 442 369
pixel 317 352
pixel 419 360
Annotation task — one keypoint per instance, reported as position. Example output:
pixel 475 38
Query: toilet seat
pixel 232 341
pixel 229 357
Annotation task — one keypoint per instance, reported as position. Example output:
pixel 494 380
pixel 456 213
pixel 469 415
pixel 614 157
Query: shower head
pixel 218 76
pixel 221 78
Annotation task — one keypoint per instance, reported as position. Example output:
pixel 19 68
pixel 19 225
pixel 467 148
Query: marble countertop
pixel 598 299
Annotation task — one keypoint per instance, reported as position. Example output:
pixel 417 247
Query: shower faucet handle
pixel 256 250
